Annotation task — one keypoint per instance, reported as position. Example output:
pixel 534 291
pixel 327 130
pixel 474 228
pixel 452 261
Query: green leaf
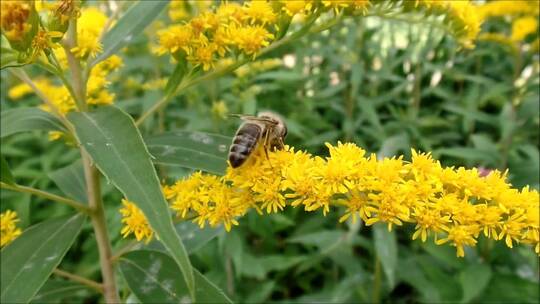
pixel 30 259
pixel 116 146
pixel 474 280
pixel 134 21
pixel 27 119
pixel 195 150
pixel 176 77
pixel 153 278
pixel 70 180
pixel 386 249
pixel 6 176
pixel 192 236
pixel 60 291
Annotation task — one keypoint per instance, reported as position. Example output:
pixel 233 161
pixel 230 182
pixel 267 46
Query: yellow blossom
pixel 454 206
pixel 8 229
pixel 14 19
pixel 175 38
pixel 524 26
pixel 203 56
pixel 250 39
pixel 177 10
pixel 135 222
pixel 260 11
pixel 220 109
pixel 296 7
pixel 89 27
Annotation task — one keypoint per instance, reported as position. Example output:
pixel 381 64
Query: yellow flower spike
pixel 135 222
pixel 8 228
pixel 457 202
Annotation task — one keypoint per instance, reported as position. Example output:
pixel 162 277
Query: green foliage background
pixel 388 86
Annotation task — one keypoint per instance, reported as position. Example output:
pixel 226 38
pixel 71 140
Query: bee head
pixel 280 129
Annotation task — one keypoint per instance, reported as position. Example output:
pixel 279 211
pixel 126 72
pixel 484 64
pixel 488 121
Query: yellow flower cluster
pixel 229 29
pixel 523 14
pixel 97 93
pixel 135 222
pixel 463 16
pixel 501 8
pixel 452 205
pixel 8 228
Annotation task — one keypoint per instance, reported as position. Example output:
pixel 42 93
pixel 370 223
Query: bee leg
pixel 266 146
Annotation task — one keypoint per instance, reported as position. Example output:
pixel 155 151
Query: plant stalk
pixel 376 296
pixel 100 229
pixel 66 201
pixel 75 278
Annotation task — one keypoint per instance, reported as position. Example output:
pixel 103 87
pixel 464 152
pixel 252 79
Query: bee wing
pixel 254 118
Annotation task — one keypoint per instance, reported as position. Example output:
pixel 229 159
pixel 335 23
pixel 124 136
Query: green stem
pixel 216 73
pixel 79 83
pixel 60 199
pixel 75 278
pixel 21 74
pixel 100 229
pixel 376 297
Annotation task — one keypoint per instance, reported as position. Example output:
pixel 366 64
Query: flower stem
pixel 75 278
pixel 100 229
pixel 376 296
pixel 77 205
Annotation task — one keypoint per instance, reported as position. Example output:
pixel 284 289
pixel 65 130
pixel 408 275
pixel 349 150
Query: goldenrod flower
pixel 8 227
pixel 508 8
pixel 220 109
pixel 175 38
pixel 524 26
pixel 292 8
pixel 89 27
pixel 250 39
pixel 203 56
pixel 259 11
pixel 177 10
pixel 135 222
pixel 14 19
pixel 452 205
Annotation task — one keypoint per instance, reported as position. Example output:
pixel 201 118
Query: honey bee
pixel 267 128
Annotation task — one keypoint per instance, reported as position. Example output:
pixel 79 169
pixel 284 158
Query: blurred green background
pixel 388 86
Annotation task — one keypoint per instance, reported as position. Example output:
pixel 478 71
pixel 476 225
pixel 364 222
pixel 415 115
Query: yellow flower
pixel 89 27
pixel 524 26
pixel 177 10
pixel 203 56
pixel 460 236
pixel 19 91
pixel 260 11
pixel 43 40
pixel 453 205
pixel 8 228
pixel 296 7
pixel 135 222
pixel 250 39
pixel 507 8
pixel 14 17
pixel 220 109
pixel 175 38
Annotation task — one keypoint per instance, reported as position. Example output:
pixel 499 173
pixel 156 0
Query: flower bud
pixel 19 22
pixel 63 11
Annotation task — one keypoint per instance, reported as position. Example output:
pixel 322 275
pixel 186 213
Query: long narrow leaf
pixel 30 259
pixel 116 146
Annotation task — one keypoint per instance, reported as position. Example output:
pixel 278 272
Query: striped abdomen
pixel 244 142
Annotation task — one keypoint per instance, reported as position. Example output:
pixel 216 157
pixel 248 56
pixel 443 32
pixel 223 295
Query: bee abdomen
pixel 244 143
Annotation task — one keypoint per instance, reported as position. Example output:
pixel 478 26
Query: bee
pixel 267 128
